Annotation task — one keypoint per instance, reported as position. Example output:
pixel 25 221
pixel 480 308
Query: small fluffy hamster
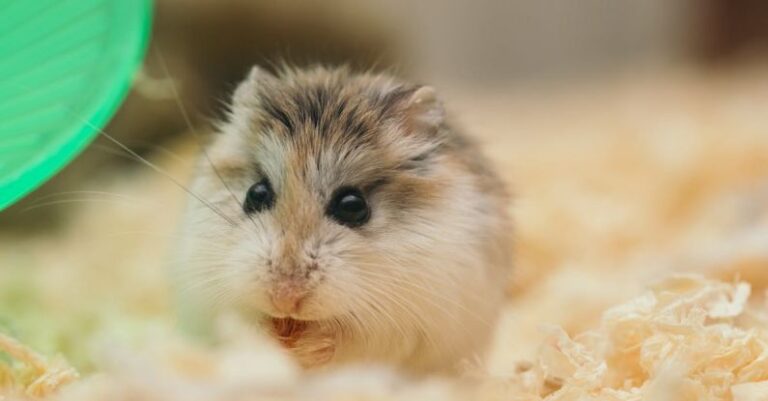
pixel 346 215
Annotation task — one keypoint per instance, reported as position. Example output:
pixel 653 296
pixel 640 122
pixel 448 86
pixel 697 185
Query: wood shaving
pixel 37 377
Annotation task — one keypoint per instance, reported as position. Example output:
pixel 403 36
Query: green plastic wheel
pixel 65 67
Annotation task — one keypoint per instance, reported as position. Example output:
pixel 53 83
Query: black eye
pixel 259 197
pixel 349 208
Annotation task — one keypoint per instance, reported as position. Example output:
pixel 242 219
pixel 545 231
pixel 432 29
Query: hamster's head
pixel 341 198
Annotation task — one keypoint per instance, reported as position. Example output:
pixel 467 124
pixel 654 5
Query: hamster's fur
pixel 418 284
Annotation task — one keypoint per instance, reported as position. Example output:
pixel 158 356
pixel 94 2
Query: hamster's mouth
pixel 288 330
pixel 309 341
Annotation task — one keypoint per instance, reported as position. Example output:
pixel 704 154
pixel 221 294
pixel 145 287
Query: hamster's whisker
pixel 206 276
pixel 351 321
pixel 192 129
pixel 418 323
pixel 67 201
pixel 195 274
pixel 84 192
pixel 407 279
pixel 211 253
pixel 402 272
pixel 214 250
pixel 162 172
pixel 426 297
pixel 148 145
pixel 365 302
pixel 213 288
pixel 142 233
pixel 111 151
pixel 411 285
pixel 407 306
pixel 367 296
pixel 154 167
pixel 424 294
pixel 381 310
pixel 444 276
pixel 412 288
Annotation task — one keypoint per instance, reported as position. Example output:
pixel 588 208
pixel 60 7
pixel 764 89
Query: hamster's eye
pixel 259 197
pixel 349 208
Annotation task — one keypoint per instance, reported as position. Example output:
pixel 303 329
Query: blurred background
pixel 200 49
pixel 633 132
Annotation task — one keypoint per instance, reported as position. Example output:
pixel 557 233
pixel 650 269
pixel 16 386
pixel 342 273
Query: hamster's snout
pixel 287 294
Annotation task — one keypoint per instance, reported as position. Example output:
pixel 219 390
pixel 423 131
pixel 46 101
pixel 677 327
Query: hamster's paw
pixel 312 344
pixel 315 349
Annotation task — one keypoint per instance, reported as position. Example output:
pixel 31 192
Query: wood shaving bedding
pixel 36 377
pixel 684 339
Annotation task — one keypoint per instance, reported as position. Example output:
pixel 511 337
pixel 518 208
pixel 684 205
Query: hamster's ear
pixel 421 114
pixel 424 109
pixel 246 94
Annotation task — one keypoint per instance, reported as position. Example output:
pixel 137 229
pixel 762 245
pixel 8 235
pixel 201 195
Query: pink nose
pixel 286 296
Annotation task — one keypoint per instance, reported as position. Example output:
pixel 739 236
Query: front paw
pixel 314 350
pixel 312 344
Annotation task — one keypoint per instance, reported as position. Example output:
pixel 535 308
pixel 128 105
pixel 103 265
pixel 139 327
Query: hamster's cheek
pixel 246 264
pixel 329 294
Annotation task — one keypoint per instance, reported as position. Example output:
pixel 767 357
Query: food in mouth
pixel 310 342
pixel 287 330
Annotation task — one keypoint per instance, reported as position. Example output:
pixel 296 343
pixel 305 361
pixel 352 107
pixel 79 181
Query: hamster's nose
pixel 286 296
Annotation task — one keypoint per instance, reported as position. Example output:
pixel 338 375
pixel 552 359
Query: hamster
pixel 345 214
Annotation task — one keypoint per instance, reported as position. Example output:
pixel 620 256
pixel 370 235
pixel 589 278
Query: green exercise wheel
pixel 65 68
